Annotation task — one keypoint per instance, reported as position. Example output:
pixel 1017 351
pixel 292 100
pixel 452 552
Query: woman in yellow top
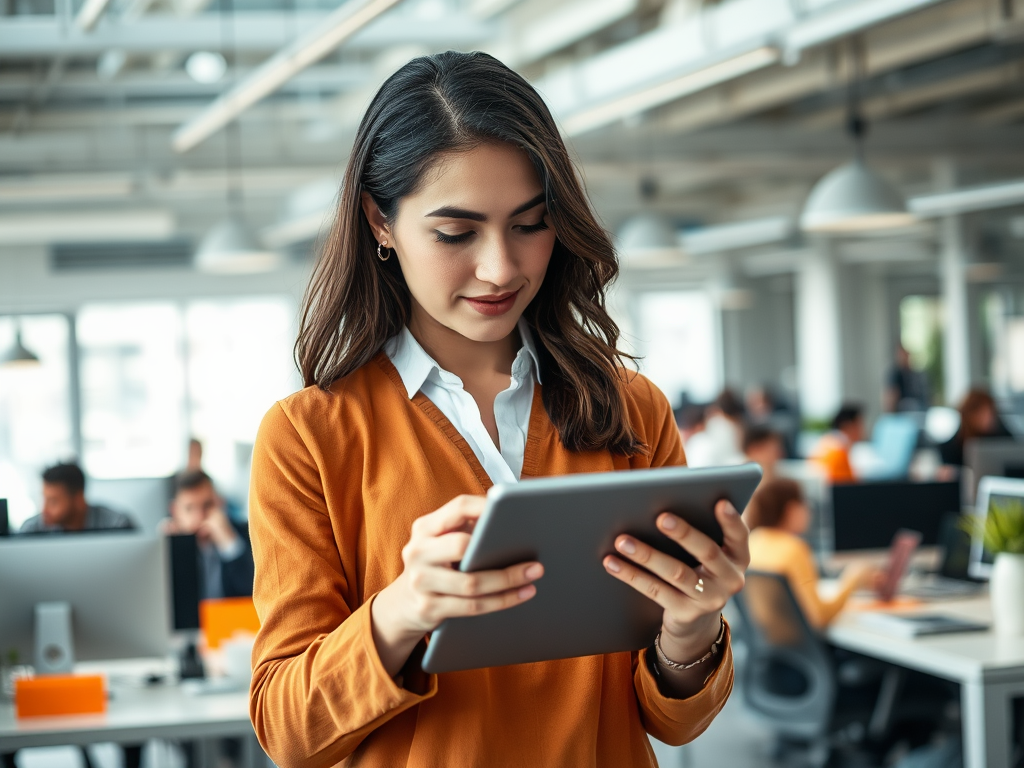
pixel 777 517
pixel 454 335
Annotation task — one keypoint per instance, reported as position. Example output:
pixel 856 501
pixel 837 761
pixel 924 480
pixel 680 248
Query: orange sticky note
pixel 220 619
pixel 59 695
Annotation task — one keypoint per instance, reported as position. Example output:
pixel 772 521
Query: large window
pixel 150 376
pixel 36 426
pixel 679 343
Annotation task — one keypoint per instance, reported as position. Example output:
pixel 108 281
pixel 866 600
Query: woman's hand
pixel 431 590
pixel 693 599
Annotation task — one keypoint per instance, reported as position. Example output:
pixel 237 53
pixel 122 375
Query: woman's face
pixel 474 241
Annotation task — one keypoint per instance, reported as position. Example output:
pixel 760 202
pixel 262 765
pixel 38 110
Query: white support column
pixel 956 339
pixel 818 338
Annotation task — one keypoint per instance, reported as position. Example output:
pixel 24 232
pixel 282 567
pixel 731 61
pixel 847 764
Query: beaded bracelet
pixel 668 663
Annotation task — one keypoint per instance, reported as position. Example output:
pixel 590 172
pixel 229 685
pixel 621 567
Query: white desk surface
pixel 133 714
pixel 963 657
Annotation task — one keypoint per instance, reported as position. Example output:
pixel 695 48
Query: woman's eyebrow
pixel 451 212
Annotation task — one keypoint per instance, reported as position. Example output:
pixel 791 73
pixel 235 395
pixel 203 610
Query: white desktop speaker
pixel 55 649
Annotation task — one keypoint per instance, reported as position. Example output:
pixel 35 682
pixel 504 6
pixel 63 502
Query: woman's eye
pixel 452 239
pixel 529 229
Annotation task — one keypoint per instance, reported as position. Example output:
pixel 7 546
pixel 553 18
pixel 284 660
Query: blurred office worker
pixel 224 550
pixel 979 419
pixel 443 349
pixel 65 509
pixel 763 446
pixel 778 517
pixel 906 389
pixel 832 454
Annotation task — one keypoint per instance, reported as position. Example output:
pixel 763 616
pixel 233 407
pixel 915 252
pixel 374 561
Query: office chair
pixel 791 683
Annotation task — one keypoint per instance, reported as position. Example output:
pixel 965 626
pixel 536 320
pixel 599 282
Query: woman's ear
pixel 373 214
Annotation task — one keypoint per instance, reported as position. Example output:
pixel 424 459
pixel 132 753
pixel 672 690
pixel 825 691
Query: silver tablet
pixel 569 524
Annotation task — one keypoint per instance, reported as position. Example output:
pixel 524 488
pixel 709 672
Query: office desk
pixel 989 669
pixel 135 715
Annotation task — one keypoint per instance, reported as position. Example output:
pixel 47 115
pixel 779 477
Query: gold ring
pixel 699 586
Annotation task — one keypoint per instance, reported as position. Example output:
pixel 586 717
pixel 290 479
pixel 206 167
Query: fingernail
pixel 535 571
pixel 527 591
pixel 627 546
pixel 668 522
pixel 612 565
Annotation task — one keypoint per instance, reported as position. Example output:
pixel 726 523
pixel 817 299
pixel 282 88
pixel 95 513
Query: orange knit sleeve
pixel 318 685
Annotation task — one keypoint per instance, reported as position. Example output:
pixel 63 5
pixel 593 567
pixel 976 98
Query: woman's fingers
pixel 651 586
pixel 711 557
pixel 670 570
pixel 447 606
pixel 736 534
pixel 446 581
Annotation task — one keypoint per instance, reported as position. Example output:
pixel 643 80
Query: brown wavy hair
pixel 447 103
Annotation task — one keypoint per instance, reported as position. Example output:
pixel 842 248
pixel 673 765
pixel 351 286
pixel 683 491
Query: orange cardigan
pixel 337 479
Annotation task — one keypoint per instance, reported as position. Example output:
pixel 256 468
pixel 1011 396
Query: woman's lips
pixel 492 306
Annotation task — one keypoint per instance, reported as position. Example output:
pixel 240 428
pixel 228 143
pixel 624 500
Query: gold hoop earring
pixel 380 251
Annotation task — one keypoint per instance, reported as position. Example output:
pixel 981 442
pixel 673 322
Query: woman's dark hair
pixel 847 414
pixel 768 505
pixel 974 402
pixel 447 103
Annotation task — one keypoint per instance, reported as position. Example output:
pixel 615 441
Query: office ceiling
pixel 86 118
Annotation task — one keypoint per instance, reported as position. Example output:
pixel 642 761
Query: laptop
pixel 952 579
pixel 903 546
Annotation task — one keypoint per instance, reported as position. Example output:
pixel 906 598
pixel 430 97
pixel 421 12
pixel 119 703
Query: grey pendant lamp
pixel 18 355
pixel 230 248
pixel 648 237
pixel 853 198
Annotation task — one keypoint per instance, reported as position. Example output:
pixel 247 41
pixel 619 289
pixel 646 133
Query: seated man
pixel 65 509
pixel 226 565
pixel 763 446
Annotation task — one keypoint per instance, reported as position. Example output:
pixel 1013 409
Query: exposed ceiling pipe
pixel 968 200
pixel 285 64
pixel 90 13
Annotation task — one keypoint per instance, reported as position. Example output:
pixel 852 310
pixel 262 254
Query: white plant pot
pixel 1006 586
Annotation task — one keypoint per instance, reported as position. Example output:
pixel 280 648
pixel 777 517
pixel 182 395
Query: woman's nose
pixel 495 264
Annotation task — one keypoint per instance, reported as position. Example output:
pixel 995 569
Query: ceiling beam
pixel 255 32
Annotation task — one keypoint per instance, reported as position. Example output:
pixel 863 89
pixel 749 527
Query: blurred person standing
pixel 690 422
pixel 763 446
pixel 778 518
pixel 65 509
pixel 720 444
pixel 832 454
pixel 226 563
pixel 906 389
pixel 979 419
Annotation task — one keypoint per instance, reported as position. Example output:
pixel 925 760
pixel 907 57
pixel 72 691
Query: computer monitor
pixel 992 493
pixel 183 551
pixel 144 499
pixel 116 585
pixel 5 520
pixel 868 515
pixel 992 457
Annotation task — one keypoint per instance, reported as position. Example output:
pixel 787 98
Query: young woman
pixel 454 335
pixel 778 518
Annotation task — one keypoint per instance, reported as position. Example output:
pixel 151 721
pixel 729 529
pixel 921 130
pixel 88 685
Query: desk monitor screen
pixel 868 515
pixel 993 457
pixel 5 520
pixel 993 493
pixel 116 586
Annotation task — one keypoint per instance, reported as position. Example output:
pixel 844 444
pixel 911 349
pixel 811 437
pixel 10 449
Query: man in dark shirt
pixel 226 565
pixel 65 509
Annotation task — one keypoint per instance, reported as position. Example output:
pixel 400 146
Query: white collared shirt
pixel 421 373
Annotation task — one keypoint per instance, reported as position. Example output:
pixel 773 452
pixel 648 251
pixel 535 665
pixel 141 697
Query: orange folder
pixel 59 695
pixel 220 619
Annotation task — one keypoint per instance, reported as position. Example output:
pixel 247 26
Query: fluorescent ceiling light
pixel 278 69
pixel 22 189
pixel 85 227
pixel 741 234
pixel 967 200
pixel 90 13
pixel 206 66
pixel 570 23
pixel 644 99
pixel 846 20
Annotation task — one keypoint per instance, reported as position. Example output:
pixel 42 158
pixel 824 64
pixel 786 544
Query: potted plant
pixel 1002 532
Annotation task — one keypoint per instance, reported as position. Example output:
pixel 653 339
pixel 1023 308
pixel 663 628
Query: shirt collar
pixel 414 365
